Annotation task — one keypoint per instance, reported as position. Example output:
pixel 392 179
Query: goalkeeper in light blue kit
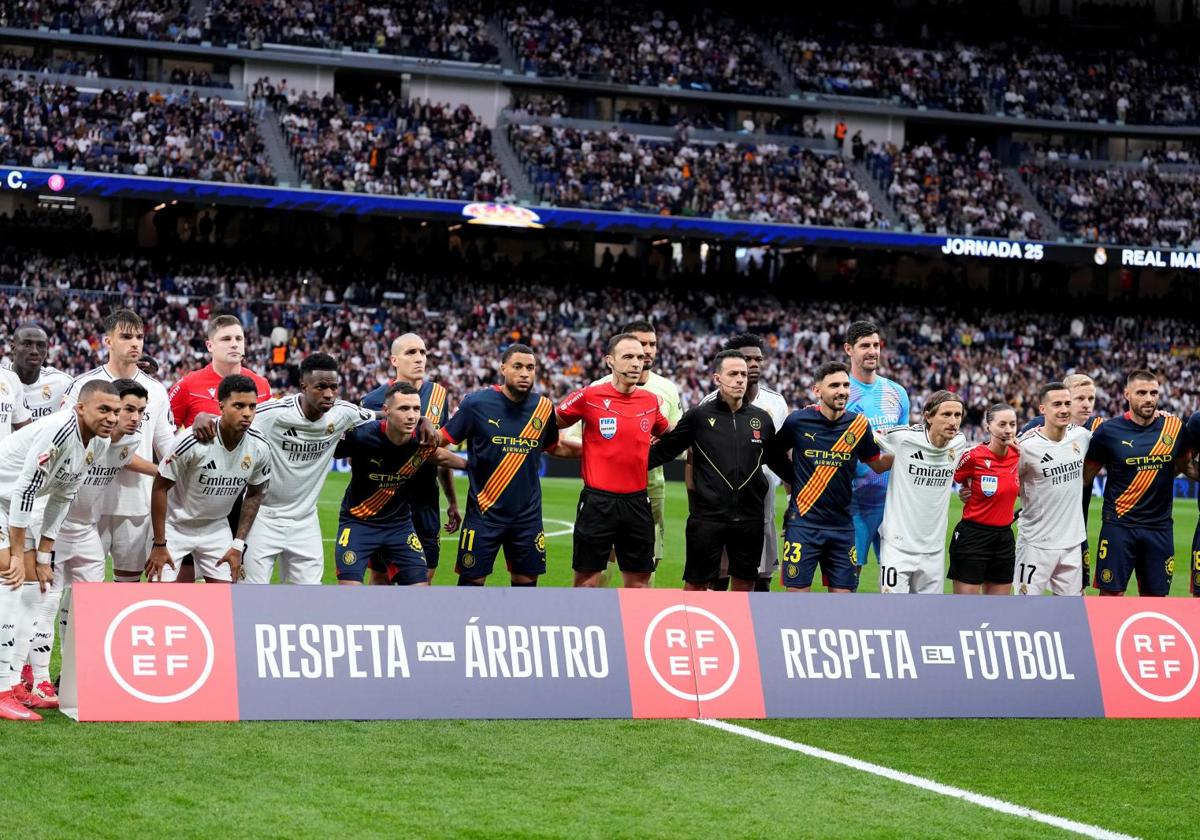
pixel 885 403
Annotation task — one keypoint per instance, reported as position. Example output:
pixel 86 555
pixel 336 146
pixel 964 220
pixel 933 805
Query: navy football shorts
pixel 1123 550
pixel 806 548
pixel 523 541
pixel 393 548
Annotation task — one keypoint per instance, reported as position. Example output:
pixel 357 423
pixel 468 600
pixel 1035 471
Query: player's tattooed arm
pixel 160 556
pixel 427 433
pixel 250 505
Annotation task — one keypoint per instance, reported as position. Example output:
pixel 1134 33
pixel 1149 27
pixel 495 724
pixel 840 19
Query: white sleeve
pixel 71 395
pixel 21 412
pixel 164 427
pixel 40 462
pixel 890 441
pixel 353 416
pixel 262 467
pixel 176 465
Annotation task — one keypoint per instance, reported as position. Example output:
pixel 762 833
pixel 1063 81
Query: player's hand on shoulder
pixel 204 427
pixel 427 433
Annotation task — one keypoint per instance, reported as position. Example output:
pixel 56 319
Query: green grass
pixel 594 778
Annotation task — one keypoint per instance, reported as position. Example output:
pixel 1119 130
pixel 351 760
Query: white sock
pixel 46 617
pixel 10 603
pixel 12 660
pixel 64 613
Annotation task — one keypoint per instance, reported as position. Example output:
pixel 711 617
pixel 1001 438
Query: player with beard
pixel 826 443
pixel 753 350
pixel 44 386
pixel 410 357
pixel 885 404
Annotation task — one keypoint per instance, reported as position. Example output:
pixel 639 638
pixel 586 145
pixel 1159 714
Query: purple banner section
pixel 926 656
pixel 364 653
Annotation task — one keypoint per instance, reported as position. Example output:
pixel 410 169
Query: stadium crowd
pixel 153 20
pixel 614 170
pixel 390 146
pixel 986 355
pixel 1143 205
pixel 936 190
pixel 171 135
pixel 639 45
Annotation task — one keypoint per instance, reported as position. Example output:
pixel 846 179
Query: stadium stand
pixel 172 135
pixel 615 170
pixel 155 20
pixel 393 147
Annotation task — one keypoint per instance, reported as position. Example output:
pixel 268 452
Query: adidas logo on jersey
pixel 918 456
pixel 1047 458
pixel 211 465
pixel 290 433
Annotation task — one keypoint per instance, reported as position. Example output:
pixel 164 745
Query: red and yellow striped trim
pixel 374 503
pixel 1142 481
pixel 819 480
pixel 511 463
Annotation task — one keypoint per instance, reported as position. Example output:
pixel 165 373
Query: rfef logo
pixel 158 651
pixel 691 655
pixel 151 652
pixel 1147 655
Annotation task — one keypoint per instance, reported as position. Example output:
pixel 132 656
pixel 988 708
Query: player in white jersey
pixel 78 554
pixel 125 511
pixel 303 431
pixel 913 533
pixel 48 458
pixel 44 386
pixel 752 348
pixel 199 483
pixel 1051 526
pixel 14 413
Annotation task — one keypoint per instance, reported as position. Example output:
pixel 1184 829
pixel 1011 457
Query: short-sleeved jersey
pixel 44 395
pixel 885 405
pixel 209 477
pixel 381 473
pixel 995 483
pixel 505 440
pixel 1051 483
pixel 47 458
pixel 85 510
pixel 196 393
pixel 825 454
pixel 13 409
pixel 423 489
pixel 1141 462
pixel 918 496
pixel 301 450
pixel 617 429
pixel 131 496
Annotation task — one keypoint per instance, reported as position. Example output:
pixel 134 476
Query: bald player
pixel 409 358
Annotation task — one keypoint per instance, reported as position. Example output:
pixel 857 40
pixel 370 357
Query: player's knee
pixel 470 581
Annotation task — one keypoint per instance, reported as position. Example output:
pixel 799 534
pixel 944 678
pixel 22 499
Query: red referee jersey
pixel 197 393
pixel 994 482
pixel 616 434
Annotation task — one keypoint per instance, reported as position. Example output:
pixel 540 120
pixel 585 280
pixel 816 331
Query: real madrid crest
pixel 89 458
pixel 329 429
pixel 124 453
pixel 246 462
pixel 45 392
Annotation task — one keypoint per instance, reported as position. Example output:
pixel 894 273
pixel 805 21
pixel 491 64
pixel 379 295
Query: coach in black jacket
pixel 730 439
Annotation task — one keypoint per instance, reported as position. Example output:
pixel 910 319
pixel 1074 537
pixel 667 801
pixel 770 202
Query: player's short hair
pixel 29 325
pixel 829 369
pixel 1140 374
pixel 638 327
pixel 719 359
pixel 237 383
pixel 740 341
pixel 861 329
pixel 122 318
pixel 220 322
pixel 318 361
pixel 399 388
pixel 996 408
pixel 513 349
pixel 97 386
pixel 1077 380
pixel 1050 387
pixel 618 338
pixel 130 388
pixel 939 398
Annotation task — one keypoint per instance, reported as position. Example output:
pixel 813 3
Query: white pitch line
pixel 919 782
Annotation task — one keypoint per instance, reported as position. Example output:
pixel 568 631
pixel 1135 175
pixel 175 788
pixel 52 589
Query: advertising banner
pixel 157 652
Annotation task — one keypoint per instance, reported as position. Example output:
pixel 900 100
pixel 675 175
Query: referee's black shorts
pixel 982 553
pixel 605 522
pixel 708 539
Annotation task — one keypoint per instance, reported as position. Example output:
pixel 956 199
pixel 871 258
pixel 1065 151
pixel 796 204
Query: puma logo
pixel 1128 443
pixel 377 462
pixel 495 423
pixel 811 436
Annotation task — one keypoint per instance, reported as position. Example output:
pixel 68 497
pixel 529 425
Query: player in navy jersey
pixel 507 429
pixel 409 356
pixel 1142 453
pixel 375 523
pixel 827 443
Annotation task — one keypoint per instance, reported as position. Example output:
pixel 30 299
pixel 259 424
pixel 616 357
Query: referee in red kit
pixel 619 420
pixel 196 393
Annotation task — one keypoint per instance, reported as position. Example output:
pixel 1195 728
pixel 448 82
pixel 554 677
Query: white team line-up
pixel 982 800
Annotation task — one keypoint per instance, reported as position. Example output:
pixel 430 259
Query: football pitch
pixel 607 778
